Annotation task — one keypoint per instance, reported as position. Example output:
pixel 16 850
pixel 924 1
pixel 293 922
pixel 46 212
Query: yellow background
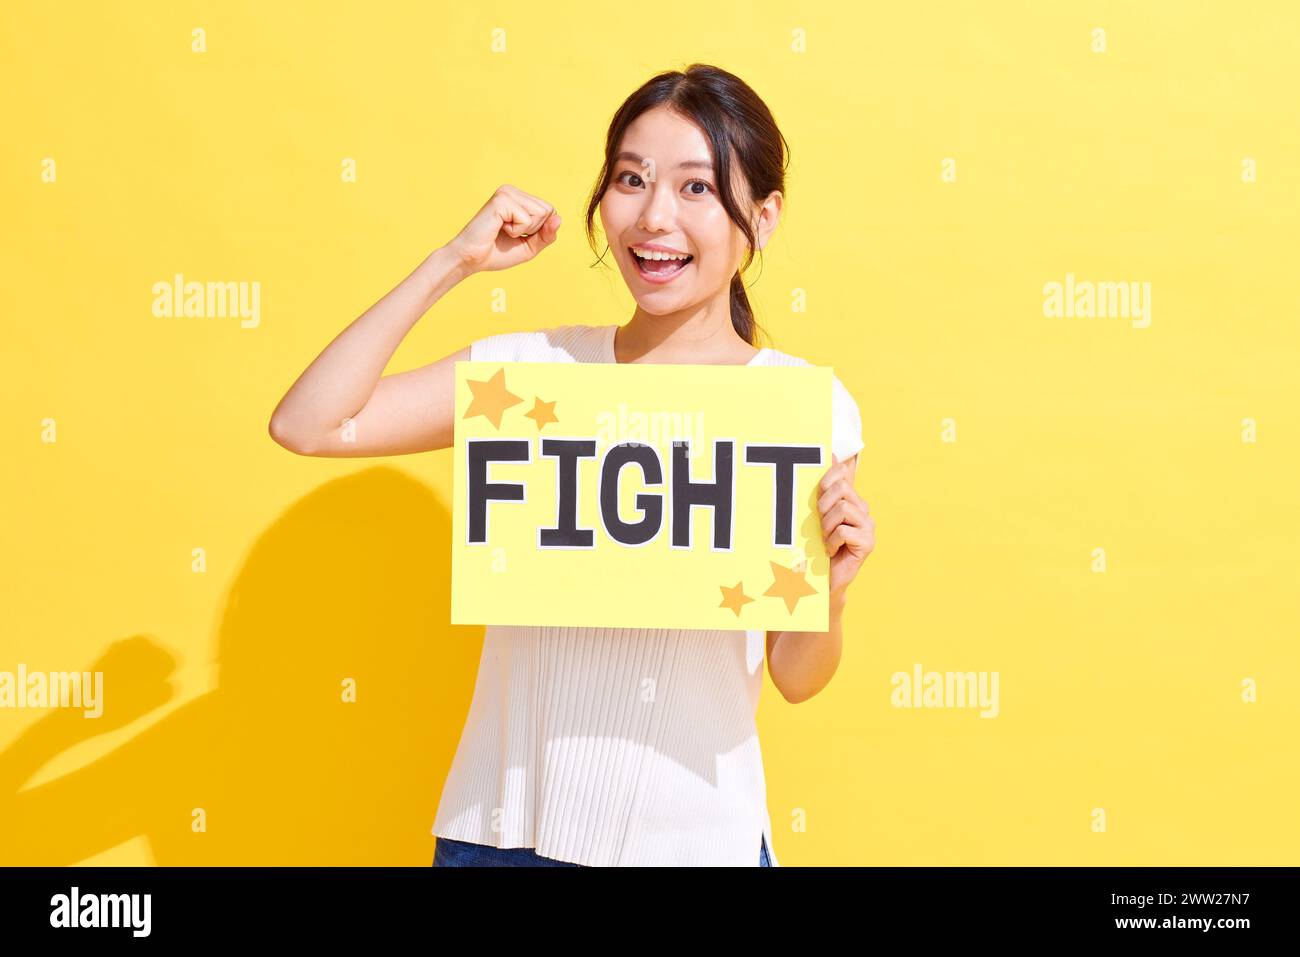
pixel 1119 690
pixel 510 580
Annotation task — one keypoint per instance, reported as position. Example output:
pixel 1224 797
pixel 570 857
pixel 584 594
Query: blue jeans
pixel 449 853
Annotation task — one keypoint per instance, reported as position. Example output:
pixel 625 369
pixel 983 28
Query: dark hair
pixel 733 118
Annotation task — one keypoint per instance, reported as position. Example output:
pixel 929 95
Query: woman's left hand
pixel 848 530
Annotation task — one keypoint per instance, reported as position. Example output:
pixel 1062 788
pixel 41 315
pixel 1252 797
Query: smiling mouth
pixel 660 270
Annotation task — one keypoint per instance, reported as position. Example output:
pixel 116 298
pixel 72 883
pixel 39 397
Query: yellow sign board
pixel 640 495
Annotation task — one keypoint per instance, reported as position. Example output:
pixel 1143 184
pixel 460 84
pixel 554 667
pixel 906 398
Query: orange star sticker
pixel 789 585
pixel 734 598
pixel 542 413
pixel 491 398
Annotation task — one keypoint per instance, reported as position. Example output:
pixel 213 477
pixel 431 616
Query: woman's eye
pixel 640 182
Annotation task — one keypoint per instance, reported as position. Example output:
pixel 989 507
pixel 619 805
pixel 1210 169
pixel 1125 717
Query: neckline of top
pixel 610 357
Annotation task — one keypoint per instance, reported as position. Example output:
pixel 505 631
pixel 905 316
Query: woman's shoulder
pixel 846 416
pixel 775 357
pixel 568 343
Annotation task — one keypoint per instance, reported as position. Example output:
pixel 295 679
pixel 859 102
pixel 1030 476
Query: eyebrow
pixel 687 164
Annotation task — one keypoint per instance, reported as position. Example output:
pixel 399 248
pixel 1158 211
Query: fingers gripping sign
pixel 848 529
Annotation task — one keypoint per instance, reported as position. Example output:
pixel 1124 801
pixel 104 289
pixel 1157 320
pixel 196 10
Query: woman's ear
pixel 769 214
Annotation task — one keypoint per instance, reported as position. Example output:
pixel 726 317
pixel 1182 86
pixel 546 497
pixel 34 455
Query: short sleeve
pixel 503 347
pixel 571 343
pixel 846 422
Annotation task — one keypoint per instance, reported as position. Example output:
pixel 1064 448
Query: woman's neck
pixel 701 336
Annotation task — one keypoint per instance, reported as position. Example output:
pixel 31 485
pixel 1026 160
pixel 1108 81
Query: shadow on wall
pixel 353 581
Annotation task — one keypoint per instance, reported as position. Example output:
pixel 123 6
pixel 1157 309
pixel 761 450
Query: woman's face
pixel 662 194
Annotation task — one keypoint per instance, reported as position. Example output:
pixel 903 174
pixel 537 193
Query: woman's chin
pixel 661 303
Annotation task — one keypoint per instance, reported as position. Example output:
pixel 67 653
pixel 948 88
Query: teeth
pixel 647 254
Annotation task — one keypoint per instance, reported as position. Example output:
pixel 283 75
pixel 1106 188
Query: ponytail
pixel 742 316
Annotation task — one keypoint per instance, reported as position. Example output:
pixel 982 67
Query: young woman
pixel 564 758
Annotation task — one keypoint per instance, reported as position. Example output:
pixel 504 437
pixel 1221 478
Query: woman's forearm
pixel 342 378
pixel 803 662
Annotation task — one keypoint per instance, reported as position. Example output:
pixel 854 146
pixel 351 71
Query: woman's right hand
pixel 343 404
pixel 511 228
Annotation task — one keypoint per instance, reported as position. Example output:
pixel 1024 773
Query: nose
pixel 657 212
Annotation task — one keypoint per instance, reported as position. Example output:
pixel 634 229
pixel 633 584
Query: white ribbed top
pixel 616 746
